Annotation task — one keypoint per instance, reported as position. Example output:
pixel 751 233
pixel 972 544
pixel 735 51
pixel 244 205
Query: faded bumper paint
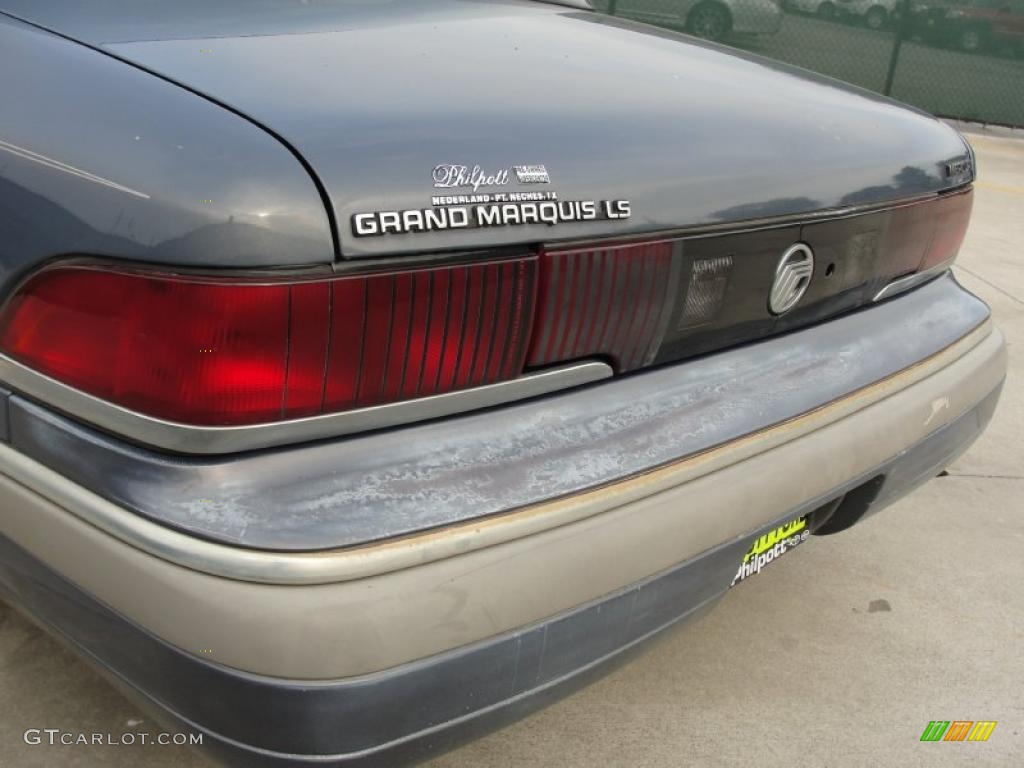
pixel 258 720
pixel 454 473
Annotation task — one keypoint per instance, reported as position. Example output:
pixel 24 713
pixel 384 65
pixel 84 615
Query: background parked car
pixel 971 25
pixel 874 14
pixel 826 9
pixel 709 19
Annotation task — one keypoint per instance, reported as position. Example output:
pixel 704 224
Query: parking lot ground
pixel 839 655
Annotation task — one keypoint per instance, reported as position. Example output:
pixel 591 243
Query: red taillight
pixel 411 334
pixel 602 302
pixel 952 215
pixel 235 350
pixel 221 351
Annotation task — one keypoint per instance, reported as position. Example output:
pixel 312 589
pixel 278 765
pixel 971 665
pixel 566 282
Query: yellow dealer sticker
pixel 771 546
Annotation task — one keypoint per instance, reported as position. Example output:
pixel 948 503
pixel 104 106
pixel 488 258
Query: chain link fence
pixel 955 58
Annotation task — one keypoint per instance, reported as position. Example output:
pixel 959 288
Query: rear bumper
pixel 466 628
pixel 412 711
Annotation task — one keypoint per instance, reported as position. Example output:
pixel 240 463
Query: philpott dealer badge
pixel 475 199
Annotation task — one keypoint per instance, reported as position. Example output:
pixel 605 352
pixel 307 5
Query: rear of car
pixel 357 401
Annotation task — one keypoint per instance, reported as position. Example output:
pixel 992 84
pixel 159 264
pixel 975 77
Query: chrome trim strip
pixel 330 566
pixel 57 165
pixel 189 438
pixel 905 283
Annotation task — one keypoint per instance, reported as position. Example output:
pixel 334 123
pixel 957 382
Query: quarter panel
pixel 99 157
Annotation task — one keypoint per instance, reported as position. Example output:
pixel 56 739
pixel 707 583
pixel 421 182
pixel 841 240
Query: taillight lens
pixel 606 301
pixel 230 351
pixel 238 351
pixel 952 214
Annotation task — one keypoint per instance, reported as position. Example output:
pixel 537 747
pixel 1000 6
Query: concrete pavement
pixel 838 655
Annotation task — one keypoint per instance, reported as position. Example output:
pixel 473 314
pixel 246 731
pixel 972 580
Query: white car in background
pixel 874 14
pixel 709 19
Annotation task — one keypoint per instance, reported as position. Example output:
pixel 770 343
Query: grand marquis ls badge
pixel 476 206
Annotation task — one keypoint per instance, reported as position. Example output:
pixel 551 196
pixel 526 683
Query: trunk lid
pixel 384 99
